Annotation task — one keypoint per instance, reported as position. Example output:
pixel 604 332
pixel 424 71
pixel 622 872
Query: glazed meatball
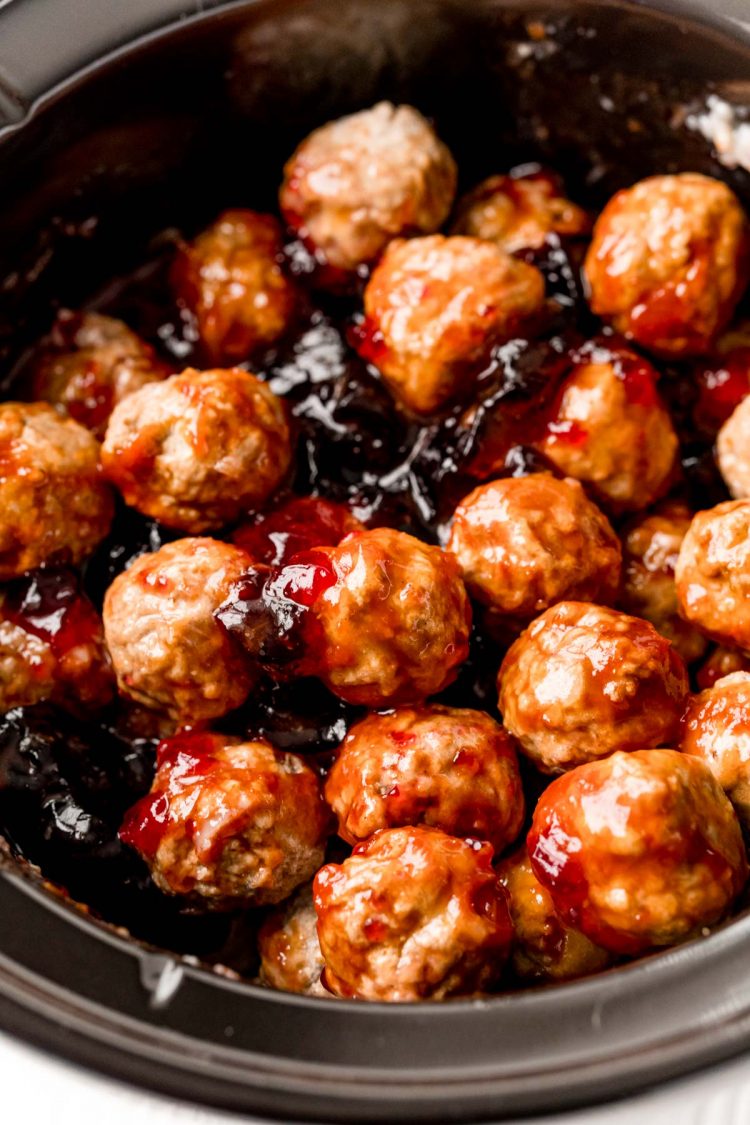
pixel 610 430
pixel 733 451
pixel 229 823
pixel 299 524
pixel 713 573
pixel 90 364
pixel 413 914
pixel 358 182
pixel 639 850
pixel 434 309
pixel 198 450
pixel 230 279
pixel 716 728
pixel 445 767
pixel 167 650
pixel 668 262
pixel 519 212
pixel 524 543
pixel 54 505
pixel 290 957
pixel 722 662
pixel 545 948
pixel 51 644
pixel 651 547
pixel 584 681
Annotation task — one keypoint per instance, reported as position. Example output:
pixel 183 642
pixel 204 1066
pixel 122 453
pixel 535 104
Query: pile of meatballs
pixel 591 806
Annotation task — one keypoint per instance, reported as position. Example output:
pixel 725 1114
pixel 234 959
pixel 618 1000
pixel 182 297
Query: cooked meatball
pixel 51 644
pixel 91 363
pixel 230 279
pixel 519 212
pixel 445 767
pixel 198 450
pixel 722 662
pixel 584 681
pixel 733 451
pixel 290 957
pixel 651 547
pixel 716 728
pixel 358 182
pixel 524 543
pixel 435 307
pixel 668 262
pixel 54 505
pixel 167 650
pixel 299 524
pixel 545 948
pixel 610 429
pixel 412 914
pixel 229 823
pixel 713 573
pixel 639 850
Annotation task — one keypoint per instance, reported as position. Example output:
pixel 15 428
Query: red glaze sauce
pixel 49 605
pixel 301 524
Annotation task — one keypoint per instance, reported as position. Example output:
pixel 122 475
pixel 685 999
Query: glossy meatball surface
pixel 356 183
pixel 639 850
pixel 199 449
pixel 733 450
pixel 167 650
pixel 668 262
pixel 229 823
pixel 713 573
pixel 445 767
pixel 434 308
pixel 54 504
pixel 584 681
pixel 524 543
pixel 719 663
pixel 716 728
pixel 230 278
pixel 290 956
pixel 412 914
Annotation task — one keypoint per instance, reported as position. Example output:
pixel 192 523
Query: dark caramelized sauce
pixel 49 604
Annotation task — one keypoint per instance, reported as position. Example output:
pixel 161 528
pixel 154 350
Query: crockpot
pixel 117 120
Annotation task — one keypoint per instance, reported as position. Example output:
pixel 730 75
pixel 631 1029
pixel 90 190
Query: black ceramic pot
pixel 160 111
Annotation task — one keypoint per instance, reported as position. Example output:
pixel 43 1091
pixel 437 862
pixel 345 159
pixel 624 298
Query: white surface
pixel 38 1088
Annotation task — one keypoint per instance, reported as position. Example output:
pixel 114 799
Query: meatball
pixel 51 644
pixel 299 524
pixel 167 650
pixel 441 766
pixel 584 681
pixel 610 429
pixel 519 212
pixel 90 364
pixel 358 182
pixel 639 850
pixel 722 662
pixel 668 262
pixel 290 957
pixel 716 728
pixel 524 543
pixel 229 823
pixel 651 547
pixel 412 914
pixel 733 451
pixel 713 573
pixel 434 309
pixel 544 947
pixel 230 279
pixel 54 505
pixel 198 450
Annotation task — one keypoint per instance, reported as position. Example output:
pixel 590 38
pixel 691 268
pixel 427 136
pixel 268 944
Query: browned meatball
pixel 716 728
pixel 167 650
pixel 639 850
pixel 668 262
pixel 584 681
pixel 519 212
pixel 610 429
pixel 198 449
pixel 445 767
pixel 434 308
pixel 721 662
pixel 290 957
pixel 412 914
pixel 358 182
pixel 545 948
pixel 651 547
pixel 229 823
pixel 733 450
pixel 90 363
pixel 524 543
pixel 713 573
pixel 54 504
pixel 230 279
